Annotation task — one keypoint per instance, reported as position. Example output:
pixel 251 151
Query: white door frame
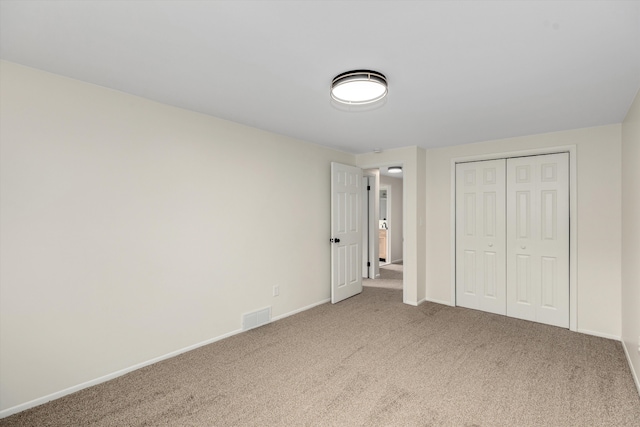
pixel 388 188
pixel 573 217
pixel 369 228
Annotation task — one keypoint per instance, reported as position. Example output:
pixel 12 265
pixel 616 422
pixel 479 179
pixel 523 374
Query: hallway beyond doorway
pixel 391 277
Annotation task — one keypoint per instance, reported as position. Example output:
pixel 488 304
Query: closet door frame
pixel 573 217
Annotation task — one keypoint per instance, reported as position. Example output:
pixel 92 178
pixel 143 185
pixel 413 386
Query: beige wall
pixel 598 219
pixel 131 229
pixel 631 236
pixel 395 207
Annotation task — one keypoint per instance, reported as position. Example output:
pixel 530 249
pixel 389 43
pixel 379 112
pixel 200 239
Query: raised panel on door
pixel 480 235
pixel 469 276
pixel 538 238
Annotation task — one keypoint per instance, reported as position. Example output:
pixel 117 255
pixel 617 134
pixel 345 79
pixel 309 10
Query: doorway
pixel 386 229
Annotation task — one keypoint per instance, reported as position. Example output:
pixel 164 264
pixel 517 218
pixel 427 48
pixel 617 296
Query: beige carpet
pixel 370 361
pixel 390 277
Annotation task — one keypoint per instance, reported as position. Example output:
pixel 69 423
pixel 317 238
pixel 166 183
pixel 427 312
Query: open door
pixel 346 231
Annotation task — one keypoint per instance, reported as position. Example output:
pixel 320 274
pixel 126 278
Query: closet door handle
pixel 523 247
pixel 490 245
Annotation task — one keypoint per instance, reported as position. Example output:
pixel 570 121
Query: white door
pixel 346 231
pixel 538 238
pixel 367 224
pixel 480 236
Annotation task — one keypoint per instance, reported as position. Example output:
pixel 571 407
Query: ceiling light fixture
pixel 359 87
pixel 395 169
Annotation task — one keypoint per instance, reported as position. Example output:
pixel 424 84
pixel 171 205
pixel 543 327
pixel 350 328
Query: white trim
pixel 599 334
pixel 395 261
pixel 634 374
pixel 452 233
pixel 300 310
pixel 388 221
pixel 371 229
pixel 573 217
pixel 413 303
pixel 573 238
pixel 437 301
pixel 53 396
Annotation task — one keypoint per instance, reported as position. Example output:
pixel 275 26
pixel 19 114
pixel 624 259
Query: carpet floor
pixel 390 277
pixel 370 361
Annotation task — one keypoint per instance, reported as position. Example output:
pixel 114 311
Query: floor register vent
pixel 255 319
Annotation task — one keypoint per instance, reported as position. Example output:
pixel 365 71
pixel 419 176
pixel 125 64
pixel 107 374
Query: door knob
pixel 523 247
pixel 490 245
pixel 335 240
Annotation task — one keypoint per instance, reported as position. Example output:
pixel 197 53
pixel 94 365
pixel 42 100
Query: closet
pixel 512 237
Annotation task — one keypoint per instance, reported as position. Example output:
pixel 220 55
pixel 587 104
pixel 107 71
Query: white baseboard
pixel 599 334
pixel 397 260
pixel 634 374
pixel 300 310
pixel 437 301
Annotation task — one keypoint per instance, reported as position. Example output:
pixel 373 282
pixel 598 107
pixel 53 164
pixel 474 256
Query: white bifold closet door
pixel 538 238
pixel 512 237
pixel 480 236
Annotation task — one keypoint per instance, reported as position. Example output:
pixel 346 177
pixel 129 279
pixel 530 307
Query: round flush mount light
pixel 395 169
pixel 359 87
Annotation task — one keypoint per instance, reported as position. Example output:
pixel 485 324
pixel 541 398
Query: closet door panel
pixel 538 238
pixel 480 236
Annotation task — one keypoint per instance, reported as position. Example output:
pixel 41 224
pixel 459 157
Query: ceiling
pixel 458 71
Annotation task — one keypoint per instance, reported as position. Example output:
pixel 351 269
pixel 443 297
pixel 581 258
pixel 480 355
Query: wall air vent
pixel 256 318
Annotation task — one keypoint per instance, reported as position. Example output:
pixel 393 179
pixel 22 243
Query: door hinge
pixel 368 188
pixel 368 264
